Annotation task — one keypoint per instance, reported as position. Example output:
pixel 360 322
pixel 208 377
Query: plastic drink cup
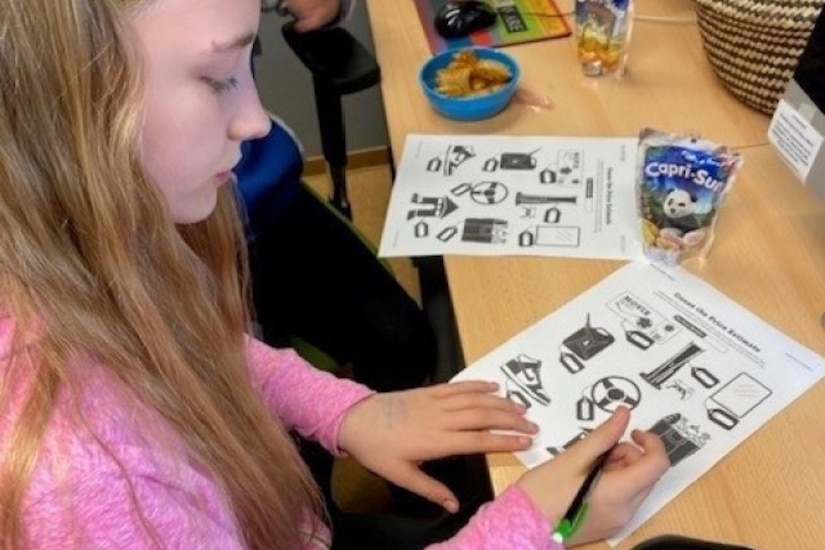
pixel 602 35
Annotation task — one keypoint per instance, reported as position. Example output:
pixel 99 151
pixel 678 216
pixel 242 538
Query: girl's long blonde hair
pixel 89 255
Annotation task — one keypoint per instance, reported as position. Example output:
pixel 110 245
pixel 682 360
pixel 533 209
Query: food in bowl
pixel 467 75
pixel 488 98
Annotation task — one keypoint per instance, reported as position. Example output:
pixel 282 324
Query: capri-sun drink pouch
pixel 682 184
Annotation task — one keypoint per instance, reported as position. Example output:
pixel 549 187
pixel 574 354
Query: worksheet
pixel 692 365
pixel 503 195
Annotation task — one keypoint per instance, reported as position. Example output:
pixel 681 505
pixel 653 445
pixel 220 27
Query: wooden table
pixel 769 254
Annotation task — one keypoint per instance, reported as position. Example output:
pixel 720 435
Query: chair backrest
pixel 335 57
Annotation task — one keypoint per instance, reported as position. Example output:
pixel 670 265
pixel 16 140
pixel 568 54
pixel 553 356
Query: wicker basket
pixel 754 45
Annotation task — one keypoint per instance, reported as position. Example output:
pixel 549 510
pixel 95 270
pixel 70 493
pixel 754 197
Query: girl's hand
pixel 392 433
pixel 628 476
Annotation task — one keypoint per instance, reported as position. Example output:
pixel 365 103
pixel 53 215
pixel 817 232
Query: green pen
pixel 577 512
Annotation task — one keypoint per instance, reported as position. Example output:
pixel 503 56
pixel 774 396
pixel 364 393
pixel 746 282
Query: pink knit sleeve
pixel 509 521
pixel 306 399
pixel 96 508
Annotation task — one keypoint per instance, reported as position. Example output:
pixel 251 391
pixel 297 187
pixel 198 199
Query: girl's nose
pixel 251 120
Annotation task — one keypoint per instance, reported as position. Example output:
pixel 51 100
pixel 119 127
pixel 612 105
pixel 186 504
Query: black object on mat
pixel 678 542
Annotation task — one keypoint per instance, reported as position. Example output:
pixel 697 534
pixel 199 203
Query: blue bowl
pixel 468 108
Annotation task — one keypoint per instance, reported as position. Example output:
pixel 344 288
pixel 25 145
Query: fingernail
pixel 450 505
pixel 534 427
pixel 525 440
pixel 493 385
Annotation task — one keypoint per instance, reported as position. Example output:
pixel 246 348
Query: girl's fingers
pixel 622 456
pixel 467 386
pixel 465 443
pixel 487 419
pixel 463 401
pixel 600 440
pixel 411 478
pixel 646 471
pixel 653 448
pixel 649 441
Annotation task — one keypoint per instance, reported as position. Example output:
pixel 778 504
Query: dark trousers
pixel 314 278
pixel 466 476
pixel 356 532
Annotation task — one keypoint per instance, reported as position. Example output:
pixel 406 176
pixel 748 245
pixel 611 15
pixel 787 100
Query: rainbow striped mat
pixel 519 21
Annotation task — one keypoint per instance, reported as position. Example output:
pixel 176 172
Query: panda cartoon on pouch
pixel 679 209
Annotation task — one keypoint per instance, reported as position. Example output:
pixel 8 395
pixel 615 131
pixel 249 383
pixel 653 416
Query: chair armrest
pixel 335 56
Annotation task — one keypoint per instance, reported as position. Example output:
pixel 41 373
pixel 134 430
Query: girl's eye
pixel 220 86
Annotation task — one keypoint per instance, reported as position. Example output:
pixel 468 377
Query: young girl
pixel 135 412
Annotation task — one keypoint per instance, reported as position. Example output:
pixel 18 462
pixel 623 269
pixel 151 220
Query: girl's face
pixel 200 99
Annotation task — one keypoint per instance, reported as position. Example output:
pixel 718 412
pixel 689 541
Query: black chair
pixel 339 65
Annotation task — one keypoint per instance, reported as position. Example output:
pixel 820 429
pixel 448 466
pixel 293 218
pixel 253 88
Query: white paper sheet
pixel 795 137
pixel 496 195
pixel 692 365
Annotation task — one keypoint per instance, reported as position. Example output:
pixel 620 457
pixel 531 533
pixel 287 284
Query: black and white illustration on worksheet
pixel 690 364
pixel 522 382
pixel 502 195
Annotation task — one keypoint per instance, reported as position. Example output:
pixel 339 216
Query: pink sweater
pixel 81 498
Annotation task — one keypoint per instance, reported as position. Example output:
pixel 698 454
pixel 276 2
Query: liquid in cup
pixel 602 35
